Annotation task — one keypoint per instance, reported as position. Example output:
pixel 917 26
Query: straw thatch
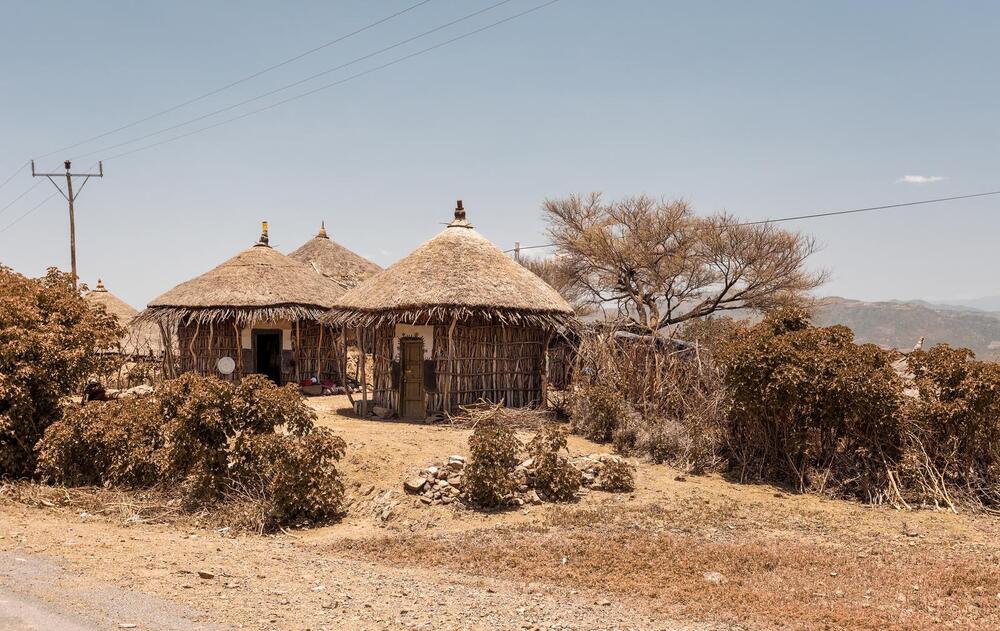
pixel 140 338
pixel 257 284
pixel 334 261
pixel 457 275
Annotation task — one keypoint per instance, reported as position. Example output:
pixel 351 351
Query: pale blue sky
pixel 764 109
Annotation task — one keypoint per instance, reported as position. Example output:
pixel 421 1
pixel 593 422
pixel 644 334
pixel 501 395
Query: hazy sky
pixel 764 109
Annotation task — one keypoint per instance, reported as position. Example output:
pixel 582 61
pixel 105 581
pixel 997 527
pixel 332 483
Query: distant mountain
pixel 985 303
pixel 898 324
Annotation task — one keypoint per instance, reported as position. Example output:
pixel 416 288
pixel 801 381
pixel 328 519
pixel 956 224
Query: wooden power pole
pixel 70 197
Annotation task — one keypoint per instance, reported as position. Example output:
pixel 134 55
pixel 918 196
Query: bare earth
pixel 632 561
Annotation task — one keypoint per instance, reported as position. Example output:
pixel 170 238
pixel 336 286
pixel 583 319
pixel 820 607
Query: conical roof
pixel 259 283
pixel 114 305
pixel 142 339
pixel 458 273
pixel 334 261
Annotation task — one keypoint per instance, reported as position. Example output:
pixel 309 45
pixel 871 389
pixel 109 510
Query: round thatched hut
pixel 140 340
pixel 258 312
pixel 454 322
pixel 334 261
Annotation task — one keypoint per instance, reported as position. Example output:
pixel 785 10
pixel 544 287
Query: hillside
pixel 899 324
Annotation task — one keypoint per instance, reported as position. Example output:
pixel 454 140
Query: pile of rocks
pixel 438 484
pixel 442 483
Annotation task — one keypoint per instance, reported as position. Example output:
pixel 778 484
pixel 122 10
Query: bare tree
pixel 660 264
pixel 557 273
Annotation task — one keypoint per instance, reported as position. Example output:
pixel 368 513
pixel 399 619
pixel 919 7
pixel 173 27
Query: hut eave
pixel 353 317
pixel 241 315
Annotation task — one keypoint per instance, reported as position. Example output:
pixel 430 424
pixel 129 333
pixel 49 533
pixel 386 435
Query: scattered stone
pixel 415 484
pixel 715 578
pixel 382 412
pixel 205 575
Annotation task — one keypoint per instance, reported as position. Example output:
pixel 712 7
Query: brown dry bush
pixel 554 477
pixel 291 478
pixel 810 408
pixel 616 477
pixel 489 480
pixel 649 396
pixel 49 342
pixel 952 431
pixel 115 443
pixel 208 443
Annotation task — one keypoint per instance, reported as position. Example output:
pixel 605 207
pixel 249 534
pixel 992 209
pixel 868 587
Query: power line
pixel 335 83
pixel 31 210
pixel 13 201
pixel 296 83
pixel 241 80
pixel 831 213
pixel 12 175
pixel 864 210
pixel 304 94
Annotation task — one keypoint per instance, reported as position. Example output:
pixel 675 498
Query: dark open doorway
pixel 267 354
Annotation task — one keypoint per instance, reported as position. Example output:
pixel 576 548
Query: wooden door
pixel 411 387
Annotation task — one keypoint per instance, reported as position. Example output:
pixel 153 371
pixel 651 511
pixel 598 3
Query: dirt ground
pixel 678 553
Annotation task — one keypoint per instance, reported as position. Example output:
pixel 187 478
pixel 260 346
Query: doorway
pixel 411 388
pixel 267 354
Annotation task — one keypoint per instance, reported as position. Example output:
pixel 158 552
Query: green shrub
pixel 49 336
pixel 489 479
pixel 554 477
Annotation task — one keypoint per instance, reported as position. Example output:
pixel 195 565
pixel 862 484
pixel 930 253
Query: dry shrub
pixel 809 408
pixel 116 443
pixel 616 477
pixel 650 396
pixel 597 411
pixel 291 478
pixel 952 434
pixel 489 479
pixel 207 442
pixel 554 477
pixel 50 338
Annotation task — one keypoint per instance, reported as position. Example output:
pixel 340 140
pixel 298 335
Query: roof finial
pixel 459 221
pixel 100 285
pixel 263 233
pixel 322 230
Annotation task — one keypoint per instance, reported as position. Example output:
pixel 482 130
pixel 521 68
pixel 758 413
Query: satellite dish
pixel 226 365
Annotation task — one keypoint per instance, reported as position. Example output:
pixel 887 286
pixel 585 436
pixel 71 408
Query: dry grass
pixel 659 553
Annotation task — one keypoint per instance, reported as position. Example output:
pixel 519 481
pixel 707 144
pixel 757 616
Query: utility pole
pixel 70 197
pixel 517 251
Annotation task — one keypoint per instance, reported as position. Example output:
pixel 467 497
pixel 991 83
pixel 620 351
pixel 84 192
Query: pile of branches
pixel 527 419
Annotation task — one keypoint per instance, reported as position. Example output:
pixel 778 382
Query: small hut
pixel 334 261
pixel 454 322
pixel 258 312
pixel 140 340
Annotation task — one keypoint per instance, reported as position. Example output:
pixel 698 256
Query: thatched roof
pixel 458 273
pixel 257 284
pixel 334 261
pixel 139 338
